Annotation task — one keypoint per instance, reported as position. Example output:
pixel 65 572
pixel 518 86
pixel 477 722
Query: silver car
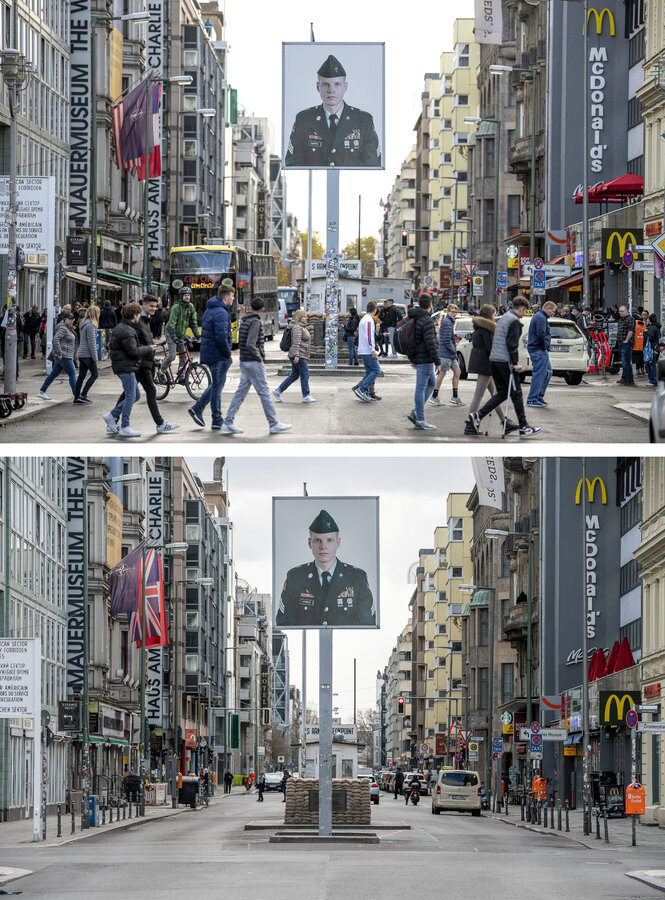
pixel 657 414
pixel 373 787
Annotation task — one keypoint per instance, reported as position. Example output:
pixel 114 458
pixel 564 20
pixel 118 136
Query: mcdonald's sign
pixel 613 706
pixel 599 17
pixel 615 242
pixel 591 490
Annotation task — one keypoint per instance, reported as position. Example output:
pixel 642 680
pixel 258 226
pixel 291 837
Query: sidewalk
pixel 14 834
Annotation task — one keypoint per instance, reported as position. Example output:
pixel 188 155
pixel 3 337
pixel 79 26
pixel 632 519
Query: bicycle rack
pixel 10 402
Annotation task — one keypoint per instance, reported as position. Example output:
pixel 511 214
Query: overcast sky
pixel 415 35
pixel 412 501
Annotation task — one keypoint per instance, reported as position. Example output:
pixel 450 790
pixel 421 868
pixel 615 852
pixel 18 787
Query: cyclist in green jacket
pixel 182 317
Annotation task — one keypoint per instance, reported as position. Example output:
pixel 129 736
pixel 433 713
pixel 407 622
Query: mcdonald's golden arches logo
pixel 615 242
pixel 599 17
pixel 591 490
pixel 613 706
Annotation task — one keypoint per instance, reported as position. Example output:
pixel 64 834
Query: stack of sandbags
pixel 357 812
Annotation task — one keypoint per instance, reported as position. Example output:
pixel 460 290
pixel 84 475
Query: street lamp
pixel 85 767
pixel 490 679
pixel 175 709
pixel 15 70
pixel 368 262
pixel 495 235
pixel 206 112
pixel 138 18
pixel 498 70
pixel 145 549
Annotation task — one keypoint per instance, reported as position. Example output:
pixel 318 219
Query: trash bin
pixel 189 791
pixel 93 801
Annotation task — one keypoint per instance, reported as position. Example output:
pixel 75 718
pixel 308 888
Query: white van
pixel 282 316
pixel 456 789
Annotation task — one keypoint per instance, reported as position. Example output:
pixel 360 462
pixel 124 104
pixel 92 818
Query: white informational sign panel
pixel 348 267
pixel 20 695
pixel 348 732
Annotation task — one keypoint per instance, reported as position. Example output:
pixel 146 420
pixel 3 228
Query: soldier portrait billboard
pixel 325 555
pixel 333 113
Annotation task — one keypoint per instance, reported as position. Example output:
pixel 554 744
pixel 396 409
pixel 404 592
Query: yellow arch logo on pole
pixel 599 17
pixel 591 490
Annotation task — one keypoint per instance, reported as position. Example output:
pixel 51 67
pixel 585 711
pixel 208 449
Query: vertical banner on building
pixel 488 475
pixel 156 65
pixel 80 24
pixel 115 51
pixel 265 694
pixel 489 22
pixel 77 469
pixel 155 528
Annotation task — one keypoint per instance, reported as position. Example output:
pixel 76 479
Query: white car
pixel 569 350
pixel 657 413
pixel 457 789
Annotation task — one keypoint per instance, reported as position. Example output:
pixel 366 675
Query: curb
pixel 655 878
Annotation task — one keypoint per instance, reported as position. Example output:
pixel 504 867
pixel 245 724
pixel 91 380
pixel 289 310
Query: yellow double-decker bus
pixel 204 268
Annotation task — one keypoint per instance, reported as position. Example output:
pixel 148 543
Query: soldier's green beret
pixel 331 68
pixel 324 523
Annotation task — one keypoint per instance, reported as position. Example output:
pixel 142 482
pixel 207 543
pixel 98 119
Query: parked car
pixel 373 787
pixel 569 350
pixel 457 789
pixel 273 781
pixel 282 314
pixel 657 413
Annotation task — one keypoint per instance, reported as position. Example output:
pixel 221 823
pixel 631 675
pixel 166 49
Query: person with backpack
pixel 424 357
pixel 350 332
pixel 298 355
pixel 652 349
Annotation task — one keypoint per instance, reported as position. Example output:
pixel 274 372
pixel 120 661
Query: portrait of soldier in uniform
pixel 326 591
pixel 333 134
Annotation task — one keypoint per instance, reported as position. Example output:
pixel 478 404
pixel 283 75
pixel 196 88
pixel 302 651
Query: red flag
pixel 156 628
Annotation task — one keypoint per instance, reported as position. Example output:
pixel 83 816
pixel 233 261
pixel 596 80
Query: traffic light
pixel 405 237
pixel 400 705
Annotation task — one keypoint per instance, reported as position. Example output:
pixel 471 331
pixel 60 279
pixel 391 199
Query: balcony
pixel 514 624
pixel 244 694
pixel 520 155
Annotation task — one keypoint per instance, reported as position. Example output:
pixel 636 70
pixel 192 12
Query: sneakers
pixel 196 415
pixel 374 397
pixel 277 394
pixel 126 431
pixel 425 426
pixel 82 399
pixel 360 394
pixel 165 427
pixel 536 403
pixel 412 417
pixel 230 428
pixel 455 401
pixel 469 429
pixel 509 427
pixel 309 399
pixel 279 428
pixel 474 422
pixel 528 430
pixel 43 395
pixel 112 426
pixel 435 401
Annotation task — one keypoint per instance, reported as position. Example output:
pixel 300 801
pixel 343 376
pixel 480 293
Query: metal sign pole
pixel 332 269
pixel 325 732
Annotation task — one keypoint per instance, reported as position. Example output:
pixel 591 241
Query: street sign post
pixel 631 718
pixel 535 727
pixel 501 279
pixel 537 263
pixel 652 727
pixel 551 271
pixel 658 246
pixel 547 734
pixel 497 745
pixel 628 258
pixel 539 278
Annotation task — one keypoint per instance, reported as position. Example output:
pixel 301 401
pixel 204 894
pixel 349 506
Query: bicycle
pixel 195 376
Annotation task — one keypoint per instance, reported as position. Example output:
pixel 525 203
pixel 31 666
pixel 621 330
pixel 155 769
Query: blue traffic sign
pixel 497 745
pixel 537 263
pixel 501 279
pixel 628 258
pixel 631 718
pixel 536 744
pixel 539 277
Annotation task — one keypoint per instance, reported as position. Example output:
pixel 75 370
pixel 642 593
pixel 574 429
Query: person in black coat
pixel 31 324
pixel 484 325
pixel 653 333
pixel 126 355
pixel 425 360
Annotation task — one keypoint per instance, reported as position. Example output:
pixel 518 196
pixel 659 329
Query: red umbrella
pixel 625 659
pixel 612 661
pixel 601 664
pixel 592 667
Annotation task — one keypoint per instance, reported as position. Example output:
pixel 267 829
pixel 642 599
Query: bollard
pixel 84 824
pixel 506 804
pixel 540 812
pixel 73 821
pixel 544 815
pixel 104 814
pixel 559 817
pixel 137 811
pixel 567 810
pixel 130 809
pixel 552 814
pixel 111 812
pixel 124 810
pixel 607 837
pixel 522 806
pixel 597 823
pixel 59 821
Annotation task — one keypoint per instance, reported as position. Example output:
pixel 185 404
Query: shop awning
pixel 576 279
pixel 618 190
pixel 133 279
pixel 85 279
pixel 480 598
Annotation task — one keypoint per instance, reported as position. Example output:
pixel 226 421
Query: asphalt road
pixel 593 412
pixel 208 854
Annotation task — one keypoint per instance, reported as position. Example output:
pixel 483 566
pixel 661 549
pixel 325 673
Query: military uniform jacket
pixel 356 142
pixel 348 601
